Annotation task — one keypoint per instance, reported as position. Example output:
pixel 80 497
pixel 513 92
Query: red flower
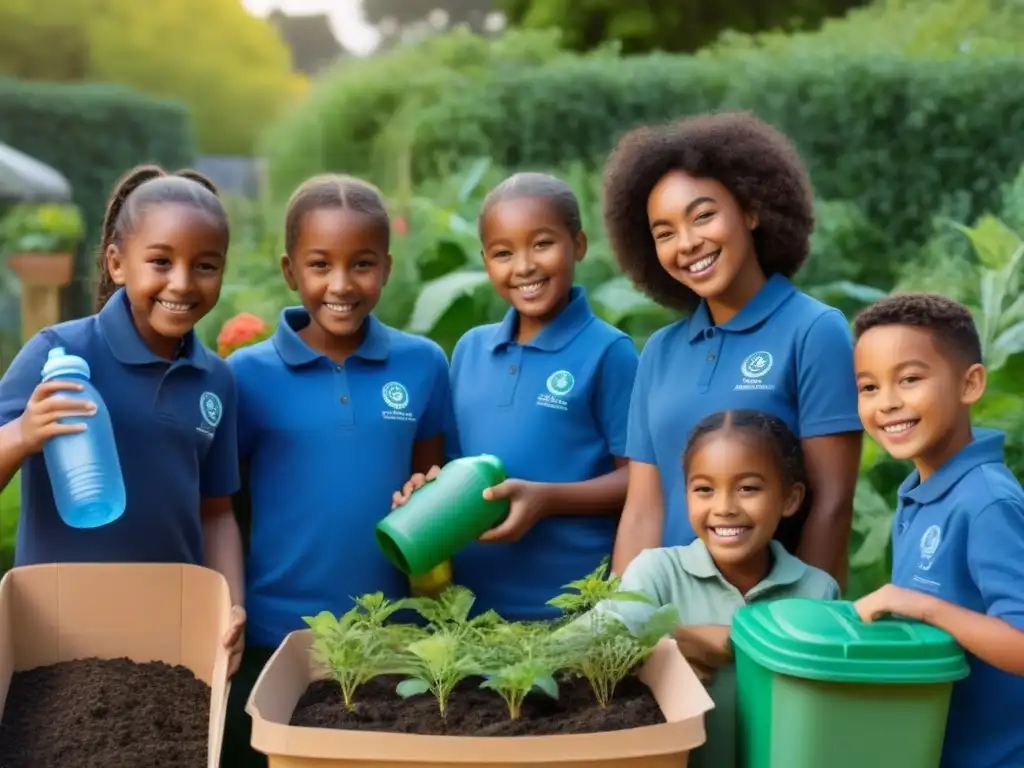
pixel 240 331
pixel 400 225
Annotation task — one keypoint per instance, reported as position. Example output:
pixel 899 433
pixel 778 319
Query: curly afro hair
pixel 950 322
pixel 753 160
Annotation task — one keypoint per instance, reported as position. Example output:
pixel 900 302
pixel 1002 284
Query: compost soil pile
pixel 476 712
pixel 94 713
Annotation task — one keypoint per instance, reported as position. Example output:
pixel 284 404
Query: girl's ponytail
pixel 127 184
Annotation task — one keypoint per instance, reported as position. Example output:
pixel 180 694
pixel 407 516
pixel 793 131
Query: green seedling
pixel 591 590
pixel 437 664
pixel 515 681
pixel 375 609
pixel 449 610
pixel 350 650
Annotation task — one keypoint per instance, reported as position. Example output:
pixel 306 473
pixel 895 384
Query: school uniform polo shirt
pixel 687 577
pixel 327 446
pixel 553 410
pixel 784 353
pixel 174 424
pixel 959 535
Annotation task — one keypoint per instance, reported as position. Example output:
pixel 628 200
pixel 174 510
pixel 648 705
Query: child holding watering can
pixel 545 391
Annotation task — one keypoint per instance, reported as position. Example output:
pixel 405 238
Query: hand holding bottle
pixel 45 408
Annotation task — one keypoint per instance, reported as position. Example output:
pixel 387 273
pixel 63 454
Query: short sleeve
pixel 23 376
pixel 246 418
pixel 219 475
pixel 614 389
pixel 826 382
pixel 995 559
pixel 639 442
pixel 437 414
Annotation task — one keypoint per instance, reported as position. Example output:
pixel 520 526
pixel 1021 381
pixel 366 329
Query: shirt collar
pixel 129 348
pixel 986 448
pixel 786 569
pixel 562 329
pixel 295 352
pixel 770 297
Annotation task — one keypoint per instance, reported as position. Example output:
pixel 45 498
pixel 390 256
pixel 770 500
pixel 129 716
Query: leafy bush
pixel 893 137
pixel 358 115
pixel 92 134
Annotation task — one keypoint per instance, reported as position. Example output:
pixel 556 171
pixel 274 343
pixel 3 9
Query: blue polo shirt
pixel 784 353
pixel 554 410
pixel 172 450
pixel 327 446
pixel 959 535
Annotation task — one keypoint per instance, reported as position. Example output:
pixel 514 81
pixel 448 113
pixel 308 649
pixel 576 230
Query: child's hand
pixel 894 600
pixel 234 639
pixel 706 647
pixel 39 421
pixel 417 481
pixel 526 507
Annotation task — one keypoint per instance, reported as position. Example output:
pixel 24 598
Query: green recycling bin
pixel 818 688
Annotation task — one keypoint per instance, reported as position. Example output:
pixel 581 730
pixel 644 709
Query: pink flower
pixel 400 225
pixel 240 331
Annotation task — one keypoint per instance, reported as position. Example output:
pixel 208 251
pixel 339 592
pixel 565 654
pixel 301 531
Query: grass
pixel 10 499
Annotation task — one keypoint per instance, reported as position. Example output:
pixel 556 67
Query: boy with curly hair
pixel 712 216
pixel 958 533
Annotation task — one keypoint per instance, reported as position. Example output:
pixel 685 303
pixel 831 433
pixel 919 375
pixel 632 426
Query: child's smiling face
pixel 913 398
pixel 737 494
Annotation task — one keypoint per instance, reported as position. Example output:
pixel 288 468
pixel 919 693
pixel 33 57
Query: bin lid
pixel 826 640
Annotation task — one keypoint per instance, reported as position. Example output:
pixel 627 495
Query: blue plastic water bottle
pixel 84 468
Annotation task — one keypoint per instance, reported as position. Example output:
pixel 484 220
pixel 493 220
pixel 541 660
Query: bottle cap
pixel 59 363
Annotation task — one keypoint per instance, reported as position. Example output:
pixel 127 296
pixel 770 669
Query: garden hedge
pixel 903 140
pixel 93 133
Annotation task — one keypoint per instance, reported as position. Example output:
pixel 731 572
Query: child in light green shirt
pixel 744 474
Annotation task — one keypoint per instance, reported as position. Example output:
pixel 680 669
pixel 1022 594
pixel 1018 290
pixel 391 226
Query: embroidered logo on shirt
pixel 930 541
pixel 396 397
pixel 753 369
pixel 211 410
pixel 559 384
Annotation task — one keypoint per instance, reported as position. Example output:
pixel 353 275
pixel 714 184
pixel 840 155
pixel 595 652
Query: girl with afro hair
pixel 712 216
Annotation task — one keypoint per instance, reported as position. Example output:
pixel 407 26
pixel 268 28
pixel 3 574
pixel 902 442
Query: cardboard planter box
pixel 679 693
pixel 177 614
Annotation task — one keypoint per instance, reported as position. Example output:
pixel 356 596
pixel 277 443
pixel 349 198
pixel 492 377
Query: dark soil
pixel 95 713
pixel 477 712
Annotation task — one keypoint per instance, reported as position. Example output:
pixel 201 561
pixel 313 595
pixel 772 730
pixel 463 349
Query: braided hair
pixel 137 190
pixel 777 439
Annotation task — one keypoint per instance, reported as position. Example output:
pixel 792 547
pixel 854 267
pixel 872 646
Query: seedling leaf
pixel 412 687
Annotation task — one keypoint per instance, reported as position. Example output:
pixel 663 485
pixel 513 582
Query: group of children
pixel 717 466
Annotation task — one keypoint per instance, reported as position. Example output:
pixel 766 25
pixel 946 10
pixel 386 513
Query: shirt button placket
pixel 712 351
pixel 513 362
pixel 344 397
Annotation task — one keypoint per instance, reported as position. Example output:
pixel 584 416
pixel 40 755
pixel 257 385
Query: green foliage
pixel 358 116
pixel 93 134
pixel 596 643
pixel 666 25
pixel 355 647
pixel 44 228
pixel 512 658
pixel 922 29
pixel 592 589
pixel 10 502
pixel 230 67
pixel 900 141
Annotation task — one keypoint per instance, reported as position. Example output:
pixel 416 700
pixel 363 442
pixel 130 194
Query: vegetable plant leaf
pixel 412 687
